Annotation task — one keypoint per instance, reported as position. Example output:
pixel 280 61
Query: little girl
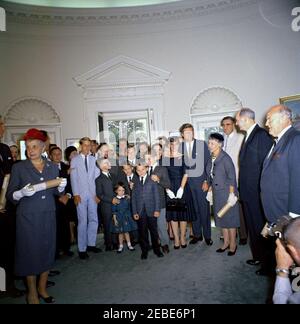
pixel 123 223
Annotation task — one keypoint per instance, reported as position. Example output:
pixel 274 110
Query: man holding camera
pixel 287 254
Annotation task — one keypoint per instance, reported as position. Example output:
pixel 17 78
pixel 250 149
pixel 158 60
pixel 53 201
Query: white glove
pixel 26 191
pixel 170 194
pixel 293 215
pixel 62 185
pixel 209 197
pixel 179 193
pixel 232 199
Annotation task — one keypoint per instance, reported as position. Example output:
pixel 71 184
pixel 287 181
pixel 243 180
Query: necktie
pixel 109 176
pixel 86 163
pixel 129 179
pixel 151 170
pixel 142 180
pixel 273 148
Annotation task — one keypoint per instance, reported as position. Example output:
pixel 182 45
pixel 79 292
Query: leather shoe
pixel 253 262
pixel 243 242
pixel 176 247
pixel 144 256
pixel 159 254
pixel 232 253
pixel 195 239
pixel 50 284
pixel 83 255
pixel 48 300
pixel 165 249
pixel 93 249
pixel 183 246
pixel 209 242
pixel 220 250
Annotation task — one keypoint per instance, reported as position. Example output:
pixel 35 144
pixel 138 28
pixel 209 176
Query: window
pixel 134 126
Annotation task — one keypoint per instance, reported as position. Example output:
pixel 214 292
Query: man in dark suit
pixel 63 234
pixel 254 149
pixel 146 210
pixel 280 180
pixel 195 157
pixel 159 174
pixel 128 177
pixel 105 192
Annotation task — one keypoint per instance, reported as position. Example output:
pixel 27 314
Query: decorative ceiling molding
pixel 122 72
pixel 214 100
pixel 31 111
pixel 119 16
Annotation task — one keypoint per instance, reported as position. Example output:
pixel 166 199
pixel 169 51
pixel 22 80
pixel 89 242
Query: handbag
pixel 177 205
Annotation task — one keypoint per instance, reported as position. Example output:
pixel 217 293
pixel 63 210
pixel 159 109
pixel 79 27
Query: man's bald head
pixel 278 118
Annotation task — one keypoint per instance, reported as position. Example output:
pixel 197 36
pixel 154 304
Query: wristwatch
pixel 284 271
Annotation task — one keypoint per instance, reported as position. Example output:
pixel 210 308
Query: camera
pixel 276 229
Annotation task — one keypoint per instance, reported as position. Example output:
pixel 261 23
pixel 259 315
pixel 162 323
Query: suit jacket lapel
pixel 281 144
pixel 246 143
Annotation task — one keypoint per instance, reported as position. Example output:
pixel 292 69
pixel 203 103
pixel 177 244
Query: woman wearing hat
pixel 223 190
pixel 36 220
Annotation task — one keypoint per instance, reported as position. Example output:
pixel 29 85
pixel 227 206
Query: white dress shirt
pixel 144 178
pixel 189 148
pixel 249 131
pixel 130 177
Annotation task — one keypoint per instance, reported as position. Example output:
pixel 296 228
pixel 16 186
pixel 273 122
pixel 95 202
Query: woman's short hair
pixel 217 136
pixel 68 152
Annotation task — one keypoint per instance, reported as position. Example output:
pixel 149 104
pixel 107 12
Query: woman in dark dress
pixel 36 218
pixel 178 189
pixel 223 190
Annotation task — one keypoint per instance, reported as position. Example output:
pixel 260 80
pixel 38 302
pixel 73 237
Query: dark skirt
pixel 189 215
pixel 35 242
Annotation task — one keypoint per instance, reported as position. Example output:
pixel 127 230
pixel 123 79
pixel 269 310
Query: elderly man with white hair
pixel 280 180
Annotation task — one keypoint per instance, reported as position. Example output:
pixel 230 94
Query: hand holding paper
pixel 232 199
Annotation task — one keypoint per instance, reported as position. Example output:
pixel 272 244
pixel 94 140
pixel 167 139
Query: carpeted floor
pixel 194 275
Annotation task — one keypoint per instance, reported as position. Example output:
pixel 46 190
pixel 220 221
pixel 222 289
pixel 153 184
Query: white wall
pixel 237 49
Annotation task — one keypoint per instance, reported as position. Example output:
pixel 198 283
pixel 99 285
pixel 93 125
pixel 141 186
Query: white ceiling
pixel 91 3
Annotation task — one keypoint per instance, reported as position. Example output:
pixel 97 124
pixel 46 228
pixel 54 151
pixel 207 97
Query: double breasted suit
pixel 83 184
